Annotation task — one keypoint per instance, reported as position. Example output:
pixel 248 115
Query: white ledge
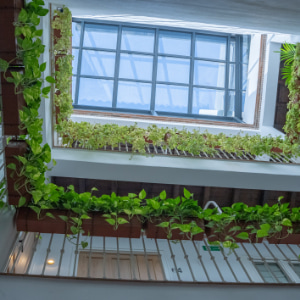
pixel 175 170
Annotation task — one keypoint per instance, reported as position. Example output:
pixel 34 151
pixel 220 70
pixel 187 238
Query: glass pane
pixel 170 98
pixel 231 83
pixel 134 95
pixel 134 39
pixel 246 46
pixel 100 36
pixel 212 47
pixel 208 102
pixel 209 73
pixel 174 43
pixel 173 69
pixel 98 63
pixel 230 112
pixel 73 88
pixel 232 50
pixel 75 53
pixel 95 92
pixel 245 75
pixel 76 30
pixel 137 67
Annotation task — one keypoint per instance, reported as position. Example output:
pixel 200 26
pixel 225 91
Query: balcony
pixel 143 259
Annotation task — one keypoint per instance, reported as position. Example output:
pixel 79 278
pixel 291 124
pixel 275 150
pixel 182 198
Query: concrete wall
pixel 19 287
pixel 8 235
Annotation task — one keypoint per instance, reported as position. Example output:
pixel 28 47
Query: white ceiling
pixel 282 16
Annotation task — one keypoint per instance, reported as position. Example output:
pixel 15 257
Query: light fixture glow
pixel 50 261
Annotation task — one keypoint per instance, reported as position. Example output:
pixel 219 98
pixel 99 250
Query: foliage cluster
pixel 47 195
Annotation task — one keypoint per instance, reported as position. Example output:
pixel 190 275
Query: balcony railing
pixel 153 260
pixel 219 154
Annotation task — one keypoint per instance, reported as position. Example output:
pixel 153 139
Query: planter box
pixel 154 232
pixel 293 238
pixel 26 220
pixel 9 11
pixel 11 104
pixel 15 148
pixel 97 226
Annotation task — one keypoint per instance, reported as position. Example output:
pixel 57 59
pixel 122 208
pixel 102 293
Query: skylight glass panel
pixel 134 95
pixel 170 69
pixel 95 92
pixel 210 47
pixel 208 102
pixel 177 43
pixel 98 63
pixel 209 73
pixel 140 40
pixel 100 36
pixel 170 98
pixel 137 67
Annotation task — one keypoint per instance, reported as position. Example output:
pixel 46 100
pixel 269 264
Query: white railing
pixel 153 260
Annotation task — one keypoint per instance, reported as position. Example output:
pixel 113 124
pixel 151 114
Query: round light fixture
pixel 50 261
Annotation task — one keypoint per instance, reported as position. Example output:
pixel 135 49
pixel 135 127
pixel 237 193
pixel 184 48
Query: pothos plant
pixel 35 162
pixel 96 136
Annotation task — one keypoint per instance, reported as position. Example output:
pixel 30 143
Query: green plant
pixel 287 54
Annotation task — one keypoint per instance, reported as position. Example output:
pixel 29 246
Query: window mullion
pixel 238 77
pixel 117 68
pixel 79 63
pixel 154 72
pixel 226 99
pixel 190 100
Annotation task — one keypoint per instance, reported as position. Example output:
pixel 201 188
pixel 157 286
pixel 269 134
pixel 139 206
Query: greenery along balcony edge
pixel 97 136
pixel 34 163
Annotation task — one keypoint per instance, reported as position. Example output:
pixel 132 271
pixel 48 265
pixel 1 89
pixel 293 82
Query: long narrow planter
pixel 11 104
pixel 98 226
pixel 26 220
pixel 9 11
pixel 155 232
pixel 15 148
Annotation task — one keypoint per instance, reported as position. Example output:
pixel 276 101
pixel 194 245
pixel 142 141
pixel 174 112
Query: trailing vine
pixel 96 136
pixel 45 195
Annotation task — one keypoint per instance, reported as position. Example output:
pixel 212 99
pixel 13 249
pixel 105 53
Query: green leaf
pixel 46 90
pixel 3 65
pixel 85 217
pixel 186 193
pixel 122 221
pixel 110 221
pixel 38 32
pixel 37 195
pixel 64 218
pixel 142 194
pixel 22 159
pixel 127 211
pixel 84 244
pixel 22 16
pixel 163 195
pixel 227 244
pixel 163 224
pixel 22 201
pixel 43 67
pixel 196 230
pixel 67 205
pixel 35 20
pixel 50 215
pixel 243 236
pixel 50 79
pixel 132 195
pixel 11 166
pixel 74 229
pixel 286 222
pixel 42 11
